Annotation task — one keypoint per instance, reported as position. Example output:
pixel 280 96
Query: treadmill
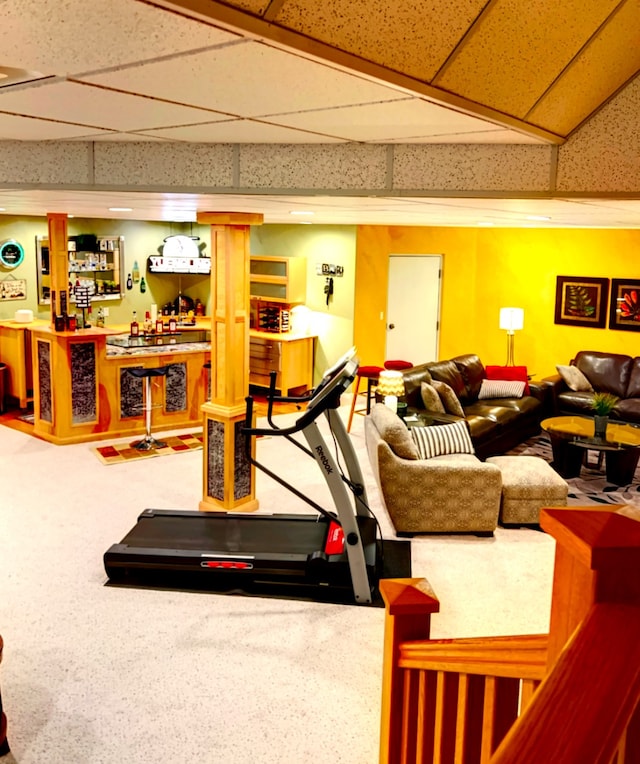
pixel 329 550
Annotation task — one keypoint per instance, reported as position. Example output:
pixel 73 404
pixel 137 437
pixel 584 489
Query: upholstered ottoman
pixel 528 484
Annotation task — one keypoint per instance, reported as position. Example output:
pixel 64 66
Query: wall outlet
pixel 105 312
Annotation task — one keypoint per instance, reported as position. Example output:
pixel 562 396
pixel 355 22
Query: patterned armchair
pixel 450 493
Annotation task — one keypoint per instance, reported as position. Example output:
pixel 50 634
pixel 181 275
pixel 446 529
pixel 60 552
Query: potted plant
pixel 602 404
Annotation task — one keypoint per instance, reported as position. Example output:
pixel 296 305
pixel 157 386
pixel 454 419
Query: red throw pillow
pixel 518 373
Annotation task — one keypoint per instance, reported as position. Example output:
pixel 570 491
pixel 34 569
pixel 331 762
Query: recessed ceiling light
pixel 538 217
pixel 484 223
pixel 2 209
pixel 305 222
pixel 302 212
pixel 120 209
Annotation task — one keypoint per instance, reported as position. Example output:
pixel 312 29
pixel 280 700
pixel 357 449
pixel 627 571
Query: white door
pixel 413 307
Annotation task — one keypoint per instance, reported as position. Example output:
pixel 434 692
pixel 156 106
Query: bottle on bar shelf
pixel 173 324
pixel 135 327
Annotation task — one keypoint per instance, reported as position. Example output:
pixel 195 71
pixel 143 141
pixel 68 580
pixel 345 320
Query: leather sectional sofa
pixel 496 424
pixel 606 372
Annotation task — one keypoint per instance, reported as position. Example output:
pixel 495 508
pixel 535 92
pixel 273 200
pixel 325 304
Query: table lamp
pixel 390 387
pixel 511 319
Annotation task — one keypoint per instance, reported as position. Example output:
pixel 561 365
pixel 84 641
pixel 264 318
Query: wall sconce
pixel 511 319
pixel 390 387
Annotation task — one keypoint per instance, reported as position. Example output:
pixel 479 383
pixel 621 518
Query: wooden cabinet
pixel 290 357
pixel 95 262
pixel 278 279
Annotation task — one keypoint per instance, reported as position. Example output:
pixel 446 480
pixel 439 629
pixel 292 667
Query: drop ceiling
pixel 300 71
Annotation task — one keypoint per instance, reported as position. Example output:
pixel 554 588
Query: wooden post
pixel 409 603
pixel 228 477
pixel 58 263
pixel 597 560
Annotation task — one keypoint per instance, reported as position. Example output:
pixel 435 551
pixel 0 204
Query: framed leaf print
pixel 582 301
pixel 624 309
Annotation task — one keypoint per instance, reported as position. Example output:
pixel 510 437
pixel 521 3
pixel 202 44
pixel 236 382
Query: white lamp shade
pixel 511 319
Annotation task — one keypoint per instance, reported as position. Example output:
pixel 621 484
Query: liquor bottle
pixel 147 326
pixel 159 326
pixel 173 324
pixel 135 328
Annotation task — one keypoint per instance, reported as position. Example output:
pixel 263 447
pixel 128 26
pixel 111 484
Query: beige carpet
pixel 95 675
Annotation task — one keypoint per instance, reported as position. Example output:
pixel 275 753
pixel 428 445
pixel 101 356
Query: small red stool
pixel 397 365
pixel 370 373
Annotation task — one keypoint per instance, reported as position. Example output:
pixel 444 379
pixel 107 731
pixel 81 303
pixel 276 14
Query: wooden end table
pixel 571 435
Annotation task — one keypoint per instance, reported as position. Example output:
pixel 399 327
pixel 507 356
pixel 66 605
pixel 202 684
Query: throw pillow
pixel 443 439
pixel 509 372
pixel 394 432
pixel 430 398
pixel 449 399
pixel 575 379
pixel 500 388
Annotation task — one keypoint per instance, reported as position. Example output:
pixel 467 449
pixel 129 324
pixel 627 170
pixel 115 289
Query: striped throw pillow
pixel 443 439
pixel 500 388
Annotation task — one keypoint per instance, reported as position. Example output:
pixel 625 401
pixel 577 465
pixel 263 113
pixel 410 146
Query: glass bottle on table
pixel 135 327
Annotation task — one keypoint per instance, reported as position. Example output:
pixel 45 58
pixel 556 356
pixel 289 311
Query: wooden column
pixel 228 476
pixel 58 263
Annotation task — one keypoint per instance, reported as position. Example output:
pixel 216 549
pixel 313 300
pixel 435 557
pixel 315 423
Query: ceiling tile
pixel 241 131
pixel 70 36
pixel 596 73
pixel 511 57
pixel 15 128
pixel 398 35
pixel 409 120
pixel 91 105
pixel 218 80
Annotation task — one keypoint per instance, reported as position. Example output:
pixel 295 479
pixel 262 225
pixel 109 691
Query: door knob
pixel 392 326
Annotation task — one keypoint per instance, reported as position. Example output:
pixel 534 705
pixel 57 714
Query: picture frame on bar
pixel 582 301
pixel 624 306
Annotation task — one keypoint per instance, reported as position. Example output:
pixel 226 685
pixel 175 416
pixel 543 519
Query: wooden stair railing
pixel 520 700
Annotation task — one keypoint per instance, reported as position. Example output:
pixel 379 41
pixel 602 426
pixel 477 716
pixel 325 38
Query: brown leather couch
pixel 496 424
pixel 607 372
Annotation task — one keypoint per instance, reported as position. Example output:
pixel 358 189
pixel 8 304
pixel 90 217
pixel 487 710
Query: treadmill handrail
pixel 327 397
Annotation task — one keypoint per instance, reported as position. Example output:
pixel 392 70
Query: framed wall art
pixel 582 301
pixel 624 308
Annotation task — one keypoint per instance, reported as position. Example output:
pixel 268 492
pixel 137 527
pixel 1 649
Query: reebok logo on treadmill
pixel 324 460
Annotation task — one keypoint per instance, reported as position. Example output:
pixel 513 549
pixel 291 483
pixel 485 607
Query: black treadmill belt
pixel 233 535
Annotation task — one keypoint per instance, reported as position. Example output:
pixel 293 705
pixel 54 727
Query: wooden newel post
pixel 58 263
pixel 597 561
pixel 409 603
pixel 228 476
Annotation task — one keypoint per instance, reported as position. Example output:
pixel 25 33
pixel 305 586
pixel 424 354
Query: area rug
pixel 591 487
pixel 117 453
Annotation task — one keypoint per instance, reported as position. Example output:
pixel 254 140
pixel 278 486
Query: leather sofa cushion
pixel 525 405
pixel 473 372
pixel 607 372
pixel 503 415
pixel 448 372
pixel 627 410
pixel 578 402
pixel 481 427
pixel 413 379
pixel 633 387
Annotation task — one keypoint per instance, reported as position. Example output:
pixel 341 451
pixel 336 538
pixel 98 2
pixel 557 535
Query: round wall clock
pixel 11 253
pixel 181 246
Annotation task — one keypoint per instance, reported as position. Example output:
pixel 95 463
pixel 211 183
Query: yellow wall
pixel 486 269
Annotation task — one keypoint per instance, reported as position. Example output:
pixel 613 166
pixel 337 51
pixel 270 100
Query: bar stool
pixel 370 373
pixel 397 365
pixel 148 443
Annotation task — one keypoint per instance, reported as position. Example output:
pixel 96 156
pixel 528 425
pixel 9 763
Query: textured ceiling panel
pixel 398 35
pixel 70 36
pixel 513 55
pixel 594 75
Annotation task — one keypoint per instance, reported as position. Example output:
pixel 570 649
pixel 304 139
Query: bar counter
pixel 83 390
